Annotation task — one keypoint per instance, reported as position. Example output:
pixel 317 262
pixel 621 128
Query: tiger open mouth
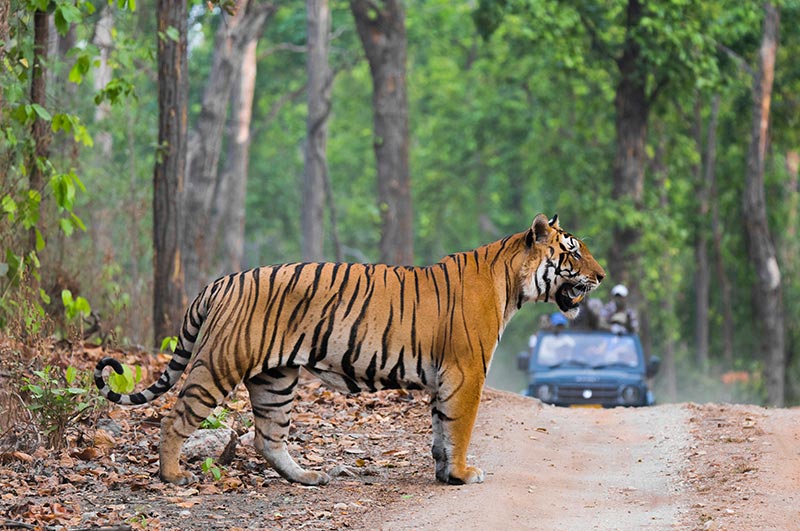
pixel 569 295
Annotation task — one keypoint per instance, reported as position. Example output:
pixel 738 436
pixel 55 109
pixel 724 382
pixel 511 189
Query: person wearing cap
pixel 617 314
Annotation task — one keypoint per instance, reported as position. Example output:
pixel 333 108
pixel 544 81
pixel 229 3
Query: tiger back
pixel 361 327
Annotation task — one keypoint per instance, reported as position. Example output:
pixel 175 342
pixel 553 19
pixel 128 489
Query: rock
pixel 248 438
pixel 219 444
pixel 110 426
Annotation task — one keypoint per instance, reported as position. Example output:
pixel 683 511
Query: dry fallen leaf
pixel 8 457
pixel 314 458
pixel 103 439
pixel 184 503
pixel 87 454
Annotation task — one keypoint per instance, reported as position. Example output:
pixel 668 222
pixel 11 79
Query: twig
pixel 15 524
pixel 121 527
pixel 23 525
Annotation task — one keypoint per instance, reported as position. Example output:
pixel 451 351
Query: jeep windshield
pixel 592 350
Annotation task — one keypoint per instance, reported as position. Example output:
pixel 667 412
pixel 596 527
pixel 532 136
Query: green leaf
pixel 39 240
pixel 70 374
pixel 173 33
pixel 9 206
pixel 80 68
pixel 41 112
pixel 131 4
pixel 66 226
pixel 123 383
pixel 14 263
pixel 169 343
pixel 82 306
pixel 77 222
pixel 66 297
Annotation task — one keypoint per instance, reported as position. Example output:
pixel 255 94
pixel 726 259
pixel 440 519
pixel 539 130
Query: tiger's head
pixel 560 268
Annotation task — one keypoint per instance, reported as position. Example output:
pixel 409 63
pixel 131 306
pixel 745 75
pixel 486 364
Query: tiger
pixel 360 327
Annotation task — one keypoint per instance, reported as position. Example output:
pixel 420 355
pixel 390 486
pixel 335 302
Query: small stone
pixel 219 444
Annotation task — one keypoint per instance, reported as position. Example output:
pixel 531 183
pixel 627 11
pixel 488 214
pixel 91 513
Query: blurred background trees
pixel 404 131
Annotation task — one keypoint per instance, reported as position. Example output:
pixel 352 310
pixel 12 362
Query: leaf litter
pixel 376 446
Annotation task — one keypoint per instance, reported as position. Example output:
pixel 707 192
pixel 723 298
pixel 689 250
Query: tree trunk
pixel 169 300
pixel 710 177
pixel 102 75
pixel 767 298
pixel 205 139
pixel 319 105
pixel 5 10
pixel 669 372
pixel 632 108
pixel 790 260
pixel 230 198
pixel 41 128
pixel 702 277
pixel 381 27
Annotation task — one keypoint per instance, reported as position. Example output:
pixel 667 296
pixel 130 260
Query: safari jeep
pixel 588 368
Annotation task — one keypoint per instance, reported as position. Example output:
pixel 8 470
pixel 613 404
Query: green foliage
pixel 511 113
pixel 56 400
pixel 169 343
pixel 126 382
pixel 25 232
pixel 216 420
pixel 210 467
pixel 74 307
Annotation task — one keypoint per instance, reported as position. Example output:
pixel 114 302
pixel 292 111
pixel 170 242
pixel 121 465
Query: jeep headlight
pixel 545 392
pixel 631 395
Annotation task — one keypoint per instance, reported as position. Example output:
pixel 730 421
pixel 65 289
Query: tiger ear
pixel 554 222
pixel 540 231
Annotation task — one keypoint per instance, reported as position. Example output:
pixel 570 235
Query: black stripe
pixel 295 350
pixel 385 338
pixel 270 405
pixel 370 373
pixel 439 414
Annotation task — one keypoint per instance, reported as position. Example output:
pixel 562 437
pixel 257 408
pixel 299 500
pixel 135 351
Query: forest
pixel 150 146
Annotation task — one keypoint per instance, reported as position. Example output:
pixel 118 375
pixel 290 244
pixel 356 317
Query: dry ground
pixel 680 466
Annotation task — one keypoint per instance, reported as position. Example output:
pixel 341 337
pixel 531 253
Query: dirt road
pixel 666 467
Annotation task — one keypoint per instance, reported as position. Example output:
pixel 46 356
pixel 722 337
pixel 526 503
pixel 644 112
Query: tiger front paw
pixel 467 475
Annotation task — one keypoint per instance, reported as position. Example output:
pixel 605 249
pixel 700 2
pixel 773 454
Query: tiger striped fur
pixel 361 327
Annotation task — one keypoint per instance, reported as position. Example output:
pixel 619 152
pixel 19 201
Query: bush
pixel 58 400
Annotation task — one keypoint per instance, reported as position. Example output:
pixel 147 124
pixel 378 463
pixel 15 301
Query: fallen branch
pixel 14 524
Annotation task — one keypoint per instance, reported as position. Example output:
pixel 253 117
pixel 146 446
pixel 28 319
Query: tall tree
pixel 102 75
pixel 702 275
pixel 710 176
pixel 205 139
pixel 382 30
pixel 5 9
pixel 768 299
pixel 318 26
pixel 229 216
pixel 632 105
pixel 169 298
pixel 41 127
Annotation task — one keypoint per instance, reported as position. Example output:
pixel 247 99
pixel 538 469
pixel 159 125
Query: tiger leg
pixel 199 396
pixel 453 418
pixel 272 395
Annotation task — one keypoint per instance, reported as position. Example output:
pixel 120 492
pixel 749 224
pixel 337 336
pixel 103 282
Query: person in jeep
pixel 620 318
